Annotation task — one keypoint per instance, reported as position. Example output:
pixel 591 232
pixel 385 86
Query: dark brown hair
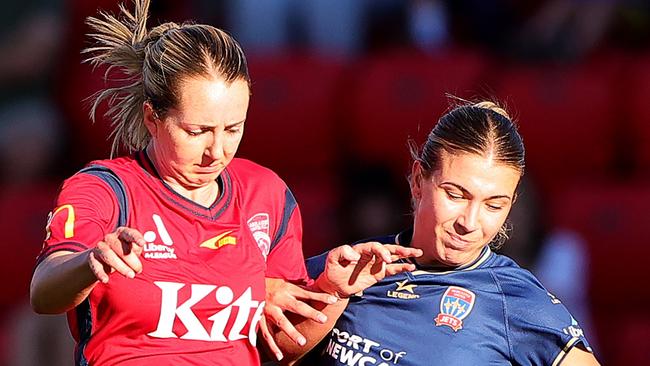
pixel 154 62
pixel 483 129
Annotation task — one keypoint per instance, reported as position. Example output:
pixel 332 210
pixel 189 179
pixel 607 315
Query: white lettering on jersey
pixel 170 310
pixel 159 251
pixel 354 350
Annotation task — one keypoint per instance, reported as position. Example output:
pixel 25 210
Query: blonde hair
pixel 153 64
pixel 476 128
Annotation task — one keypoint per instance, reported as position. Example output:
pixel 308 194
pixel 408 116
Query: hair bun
pixel 493 107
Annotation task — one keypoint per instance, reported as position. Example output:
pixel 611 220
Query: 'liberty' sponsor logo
pixel 404 291
pixel 235 314
pixel 455 305
pixel 164 250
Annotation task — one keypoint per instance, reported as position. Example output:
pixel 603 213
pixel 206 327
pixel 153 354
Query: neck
pixel 204 195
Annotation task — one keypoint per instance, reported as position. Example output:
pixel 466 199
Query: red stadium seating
pixel 639 133
pixel 401 95
pixel 292 128
pixel 614 221
pixel 567 116
pixel 292 119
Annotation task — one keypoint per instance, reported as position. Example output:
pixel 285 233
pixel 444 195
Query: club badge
pixel 456 304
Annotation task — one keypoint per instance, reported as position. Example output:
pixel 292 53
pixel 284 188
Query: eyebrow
pixel 198 125
pixel 465 191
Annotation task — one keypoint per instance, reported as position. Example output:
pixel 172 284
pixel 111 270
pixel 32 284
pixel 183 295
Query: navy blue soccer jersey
pixel 489 312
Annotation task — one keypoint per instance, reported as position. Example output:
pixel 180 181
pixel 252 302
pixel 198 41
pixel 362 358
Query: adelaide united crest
pixel 259 225
pixel 455 305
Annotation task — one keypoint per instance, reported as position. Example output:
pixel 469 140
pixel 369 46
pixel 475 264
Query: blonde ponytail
pixel 152 64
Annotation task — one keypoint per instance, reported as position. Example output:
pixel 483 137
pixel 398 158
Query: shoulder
pixel 247 169
pixel 254 178
pixel 522 290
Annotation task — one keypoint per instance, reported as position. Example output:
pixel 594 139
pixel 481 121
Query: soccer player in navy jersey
pixel 464 304
pixel 163 256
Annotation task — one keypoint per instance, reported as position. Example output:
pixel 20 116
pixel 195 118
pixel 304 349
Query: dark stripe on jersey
pixel 225 189
pixel 116 185
pixel 68 245
pixel 289 206
pixel 84 325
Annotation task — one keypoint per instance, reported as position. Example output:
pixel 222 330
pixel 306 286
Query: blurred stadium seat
pixel 638 90
pixel 567 117
pixel 400 95
pixel 293 111
pixel 613 219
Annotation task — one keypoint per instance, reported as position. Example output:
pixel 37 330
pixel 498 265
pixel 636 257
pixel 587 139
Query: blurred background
pixel 339 88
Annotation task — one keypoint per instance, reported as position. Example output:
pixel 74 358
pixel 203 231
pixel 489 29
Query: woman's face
pixel 461 207
pixel 194 142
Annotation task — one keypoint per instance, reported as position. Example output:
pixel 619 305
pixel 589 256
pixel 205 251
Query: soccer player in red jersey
pixel 161 257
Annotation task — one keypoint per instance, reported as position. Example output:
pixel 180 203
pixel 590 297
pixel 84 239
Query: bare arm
pixel 61 281
pixel 348 270
pixel 579 357
pixel 64 279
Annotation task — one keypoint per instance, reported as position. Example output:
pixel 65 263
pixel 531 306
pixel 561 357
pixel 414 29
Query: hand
pixel 284 296
pixel 119 251
pixel 351 269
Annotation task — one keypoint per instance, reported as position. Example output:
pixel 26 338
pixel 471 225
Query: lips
pixel 213 169
pixel 458 241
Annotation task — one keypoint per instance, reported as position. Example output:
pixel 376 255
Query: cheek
pixel 493 223
pixel 231 145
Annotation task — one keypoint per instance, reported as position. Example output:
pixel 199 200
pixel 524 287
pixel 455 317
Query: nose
pixel 467 221
pixel 214 148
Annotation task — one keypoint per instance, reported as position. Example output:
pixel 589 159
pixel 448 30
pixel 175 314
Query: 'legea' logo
pixel 170 310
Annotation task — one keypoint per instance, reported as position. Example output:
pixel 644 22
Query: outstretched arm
pixel 579 357
pixel 64 279
pixel 348 270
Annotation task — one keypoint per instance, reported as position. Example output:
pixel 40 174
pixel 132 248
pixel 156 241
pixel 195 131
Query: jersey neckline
pixel 404 238
pixel 212 212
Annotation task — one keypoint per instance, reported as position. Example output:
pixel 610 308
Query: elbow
pixel 38 300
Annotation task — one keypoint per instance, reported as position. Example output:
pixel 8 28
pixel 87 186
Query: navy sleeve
pixel 316 265
pixel 540 329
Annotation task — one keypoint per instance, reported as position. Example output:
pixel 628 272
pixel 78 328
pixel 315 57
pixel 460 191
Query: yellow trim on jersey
pixel 68 227
pixel 564 351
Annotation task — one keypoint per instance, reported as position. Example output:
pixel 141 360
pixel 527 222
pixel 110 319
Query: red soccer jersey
pixel 200 296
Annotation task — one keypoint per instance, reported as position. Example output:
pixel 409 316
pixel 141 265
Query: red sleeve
pixel 86 210
pixel 285 259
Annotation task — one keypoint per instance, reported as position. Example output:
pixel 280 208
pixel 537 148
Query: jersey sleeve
pixel 540 328
pixel 86 210
pixel 285 259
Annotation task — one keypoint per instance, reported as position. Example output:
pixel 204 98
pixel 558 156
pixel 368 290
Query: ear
pixel 150 118
pixel 416 180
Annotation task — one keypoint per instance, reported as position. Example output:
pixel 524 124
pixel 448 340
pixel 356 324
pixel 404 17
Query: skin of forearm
pixel 313 331
pixel 61 282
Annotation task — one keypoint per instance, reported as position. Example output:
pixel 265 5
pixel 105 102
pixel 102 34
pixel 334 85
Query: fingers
pixel 316 296
pixel 306 311
pixel 129 235
pixel 345 253
pixel 395 268
pixel 119 251
pixel 126 251
pixel 275 315
pixel 398 251
pixel 270 341
pixel 375 249
pixel 107 256
pixel 99 269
